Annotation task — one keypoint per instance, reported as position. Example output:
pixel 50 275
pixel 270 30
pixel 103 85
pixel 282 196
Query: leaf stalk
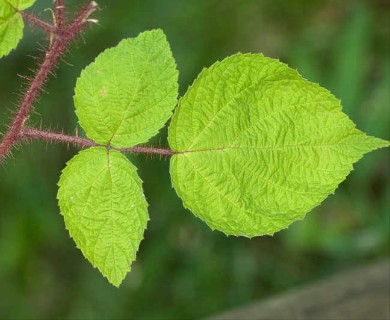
pixel 29 133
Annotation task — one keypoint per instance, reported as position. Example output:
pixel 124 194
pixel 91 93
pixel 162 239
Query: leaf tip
pixel 115 282
pixel 377 143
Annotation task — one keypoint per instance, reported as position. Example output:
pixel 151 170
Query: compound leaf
pixel 257 146
pixel 129 92
pixel 11 24
pixel 102 201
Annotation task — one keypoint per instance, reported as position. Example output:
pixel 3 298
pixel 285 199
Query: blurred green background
pixel 183 269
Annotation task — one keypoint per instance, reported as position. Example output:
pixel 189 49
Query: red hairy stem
pixel 48 136
pixel 148 150
pixel 31 133
pixel 34 21
pixel 60 14
pixel 61 40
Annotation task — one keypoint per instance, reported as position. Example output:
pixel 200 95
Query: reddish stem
pixel 60 43
pixel 32 133
pixel 34 21
pixel 60 14
pixel 148 150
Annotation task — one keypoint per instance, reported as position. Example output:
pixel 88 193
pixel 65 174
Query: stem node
pixel 63 36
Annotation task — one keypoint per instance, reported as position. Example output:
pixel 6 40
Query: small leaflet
pixel 129 92
pixel 101 198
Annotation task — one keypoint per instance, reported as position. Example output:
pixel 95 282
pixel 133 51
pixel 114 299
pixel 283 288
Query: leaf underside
pixel 11 24
pixel 258 146
pixel 101 198
pixel 129 92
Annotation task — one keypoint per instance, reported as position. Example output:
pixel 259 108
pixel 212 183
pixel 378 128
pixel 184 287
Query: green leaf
pixel 104 208
pixel 129 92
pixel 11 24
pixel 258 146
pixel 22 4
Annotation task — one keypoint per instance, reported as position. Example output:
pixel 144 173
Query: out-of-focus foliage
pixel 184 270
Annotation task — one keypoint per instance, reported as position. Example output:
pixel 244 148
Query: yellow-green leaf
pixel 129 92
pixel 257 146
pixel 105 211
pixel 11 24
